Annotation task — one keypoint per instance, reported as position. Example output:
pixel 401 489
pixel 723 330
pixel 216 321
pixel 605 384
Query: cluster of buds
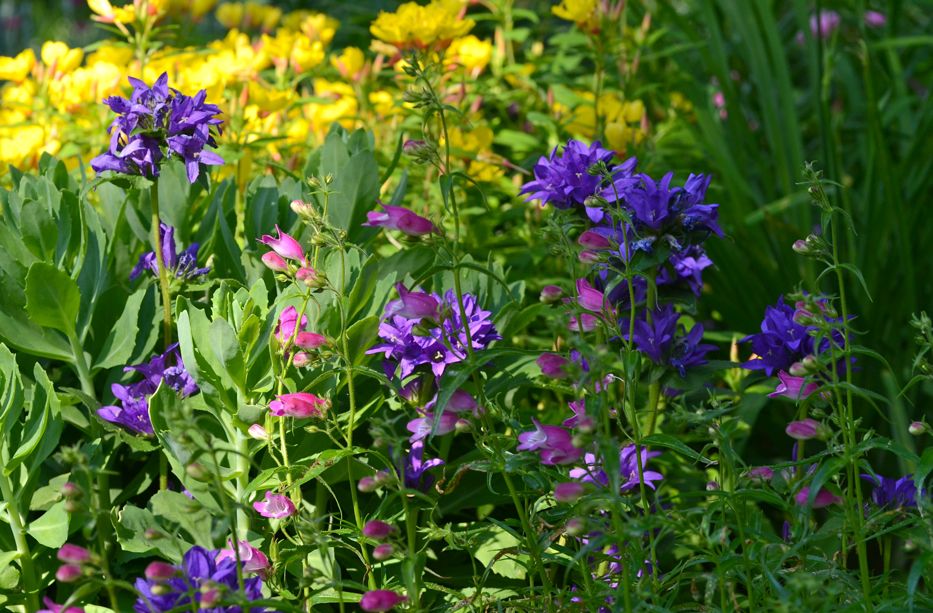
pixel 288 258
pixel 72 495
pixel 380 531
pixel 813 246
pixel 371 483
pixel 290 334
pixel 76 563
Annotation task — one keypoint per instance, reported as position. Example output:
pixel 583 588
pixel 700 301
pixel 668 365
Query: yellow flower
pixel 318 26
pixel 196 9
pixel 59 58
pixel 383 103
pixel 348 62
pixel 421 26
pixel 117 55
pixel 581 12
pixel 230 14
pixel 342 107
pixel 306 54
pixel 269 100
pixel 17 68
pixel 470 52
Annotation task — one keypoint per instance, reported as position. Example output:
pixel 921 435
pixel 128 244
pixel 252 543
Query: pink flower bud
pixel 575 526
pixel 568 492
pixel 210 595
pixel 585 323
pixel 307 275
pixel 823 498
pixel 805 429
pixel 285 245
pixel 413 305
pixel 378 530
pixel 275 506
pixel 274 261
pixel 588 256
pixel 383 551
pixel 377 601
pixel 401 219
pixel 73 554
pixel 760 473
pixel 795 388
pixel 258 432
pixel 71 490
pixel 917 428
pixel 462 426
pixel 590 298
pixel 874 19
pixel 550 294
pixel 310 340
pixel 367 484
pixel 161 571
pixel 68 573
pixel 301 359
pixel 594 240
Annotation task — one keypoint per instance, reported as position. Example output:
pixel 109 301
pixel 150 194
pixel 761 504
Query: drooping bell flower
pixel 275 506
pixel 252 559
pixel 401 219
pixel 284 245
pixel 795 388
pixel 300 405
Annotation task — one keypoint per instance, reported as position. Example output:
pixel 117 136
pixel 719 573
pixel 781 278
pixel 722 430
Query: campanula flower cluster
pixel 182 265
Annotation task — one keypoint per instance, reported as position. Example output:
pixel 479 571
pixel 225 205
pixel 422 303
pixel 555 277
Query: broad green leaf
pixel 51 528
pixel 118 348
pixel 190 515
pixel 52 298
pixel 131 524
pixel 29 338
pixel 497 553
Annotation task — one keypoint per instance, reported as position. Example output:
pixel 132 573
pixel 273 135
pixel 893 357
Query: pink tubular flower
pixel 57 608
pixel 310 340
pixel 288 321
pixel 73 554
pixel 413 305
pixel 401 219
pixel 594 240
pixel 585 323
pixel 377 601
pixel 553 444
pixel 795 388
pixel 285 245
pixel 161 572
pixel 422 427
pixel 274 261
pixel 252 559
pixel 275 506
pixel 823 498
pixel 378 530
pixel 552 365
pixel 760 473
pixel 824 23
pixel 301 405
pixel 805 429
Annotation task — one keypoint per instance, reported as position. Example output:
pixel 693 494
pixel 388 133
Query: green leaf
pixel 178 508
pixel 25 336
pixel 665 440
pixel 120 342
pixel 131 524
pixel 52 298
pixel 497 553
pixel 923 470
pixel 51 528
pixel 360 337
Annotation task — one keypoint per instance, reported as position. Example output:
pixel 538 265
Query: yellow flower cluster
pixel 581 12
pixel 413 25
pixel 624 121
pixel 280 88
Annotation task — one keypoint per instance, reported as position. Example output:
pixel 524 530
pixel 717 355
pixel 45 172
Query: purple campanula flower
pixel 664 341
pixel 781 342
pixel 415 468
pixel 564 180
pixel 156 122
pixel 889 492
pixel 134 412
pixel 412 342
pixel 199 572
pixel 401 219
pixel 183 266
pixel 628 469
pixel 689 265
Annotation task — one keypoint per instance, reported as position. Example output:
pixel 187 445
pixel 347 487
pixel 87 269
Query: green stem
pixel 81 365
pixel 18 525
pixel 164 288
pixel 242 481
pixel 411 523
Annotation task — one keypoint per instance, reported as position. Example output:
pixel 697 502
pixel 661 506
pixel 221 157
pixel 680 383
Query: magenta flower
pixel 592 239
pixel 275 506
pixel 285 245
pixel 585 323
pixel 412 305
pixel 378 530
pixel 824 23
pixel 401 219
pixel 423 427
pixel 805 429
pixel 252 559
pixel 590 298
pixel 874 19
pixel 310 340
pixel 377 601
pixel 73 554
pixel 553 444
pixel 795 388
pixel 288 321
pixel 57 608
pixel 383 551
pixel 68 573
pixel 552 365
pixel 760 473
pixel 550 294
pixel 301 405
pixel 160 572
pixel 823 498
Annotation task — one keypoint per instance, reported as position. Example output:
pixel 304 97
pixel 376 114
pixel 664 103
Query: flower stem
pixel 164 289
pixel 22 545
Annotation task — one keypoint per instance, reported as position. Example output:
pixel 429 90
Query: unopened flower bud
pixel 760 473
pixel 73 506
pixel 274 261
pixel 301 208
pixel 575 526
pixel 210 596
pixel 551 294
pixel 160 571
pixel 917 428
pixel 73 554
pixel 308 276
pixel 379 530
pixel 68 573
pixel 71 491
pixel 588 256
pixel 301 359
pixel 712 486
pixel 593 240
pixel 800 246
pixel 367 484
pixel 462 426
pixel 805 429
pixel 568 492
pixel 258 432
pixel 383 551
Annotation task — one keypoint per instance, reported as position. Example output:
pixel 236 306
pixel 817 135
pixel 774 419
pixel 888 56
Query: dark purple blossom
pixel 183 265
pixel 781 342
pixel 204 577
pixel 889 492
pixel 134 412
pixel 665 342
pixel 157 122
pixel 415 469
pixel 410 342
